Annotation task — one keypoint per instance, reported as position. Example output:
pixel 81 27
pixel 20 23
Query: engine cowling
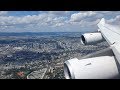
pixel 91 38
pixel 103 67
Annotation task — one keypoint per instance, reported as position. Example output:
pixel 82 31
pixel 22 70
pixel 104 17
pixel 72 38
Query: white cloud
pixel 58 24
pixel 12 20
pixel 77 17
pixel 85 19
pixel 115 20
pixel 109 12
pixel 84 23
pixel 57 13
pixel 3 13
pixel 89 19
pixel 57 20
pixel 31 21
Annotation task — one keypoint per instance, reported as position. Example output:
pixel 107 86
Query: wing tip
pixel 102 21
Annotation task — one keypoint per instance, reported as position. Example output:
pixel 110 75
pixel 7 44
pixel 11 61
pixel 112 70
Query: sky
pixel 55 21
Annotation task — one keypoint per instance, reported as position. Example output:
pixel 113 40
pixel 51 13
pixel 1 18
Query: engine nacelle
pixel 103 67
pixel 90 38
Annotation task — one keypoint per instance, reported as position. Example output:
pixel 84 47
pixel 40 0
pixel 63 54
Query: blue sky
pixel 55 21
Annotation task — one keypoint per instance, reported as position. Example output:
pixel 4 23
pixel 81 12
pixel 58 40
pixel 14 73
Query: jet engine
pixel 103 67
pixel 90 38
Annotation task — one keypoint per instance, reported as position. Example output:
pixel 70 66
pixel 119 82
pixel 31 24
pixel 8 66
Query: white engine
pixel 103 67
pixel 90 38
pixel 103 64
pixel 99 65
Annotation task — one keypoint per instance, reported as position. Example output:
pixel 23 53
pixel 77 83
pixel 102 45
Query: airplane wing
pixel 112 36
pixel 104 64
pixel 109 32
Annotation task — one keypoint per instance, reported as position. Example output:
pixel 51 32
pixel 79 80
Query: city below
pixel 40 55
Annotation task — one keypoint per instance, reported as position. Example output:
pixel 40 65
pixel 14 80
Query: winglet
pixel 102 22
